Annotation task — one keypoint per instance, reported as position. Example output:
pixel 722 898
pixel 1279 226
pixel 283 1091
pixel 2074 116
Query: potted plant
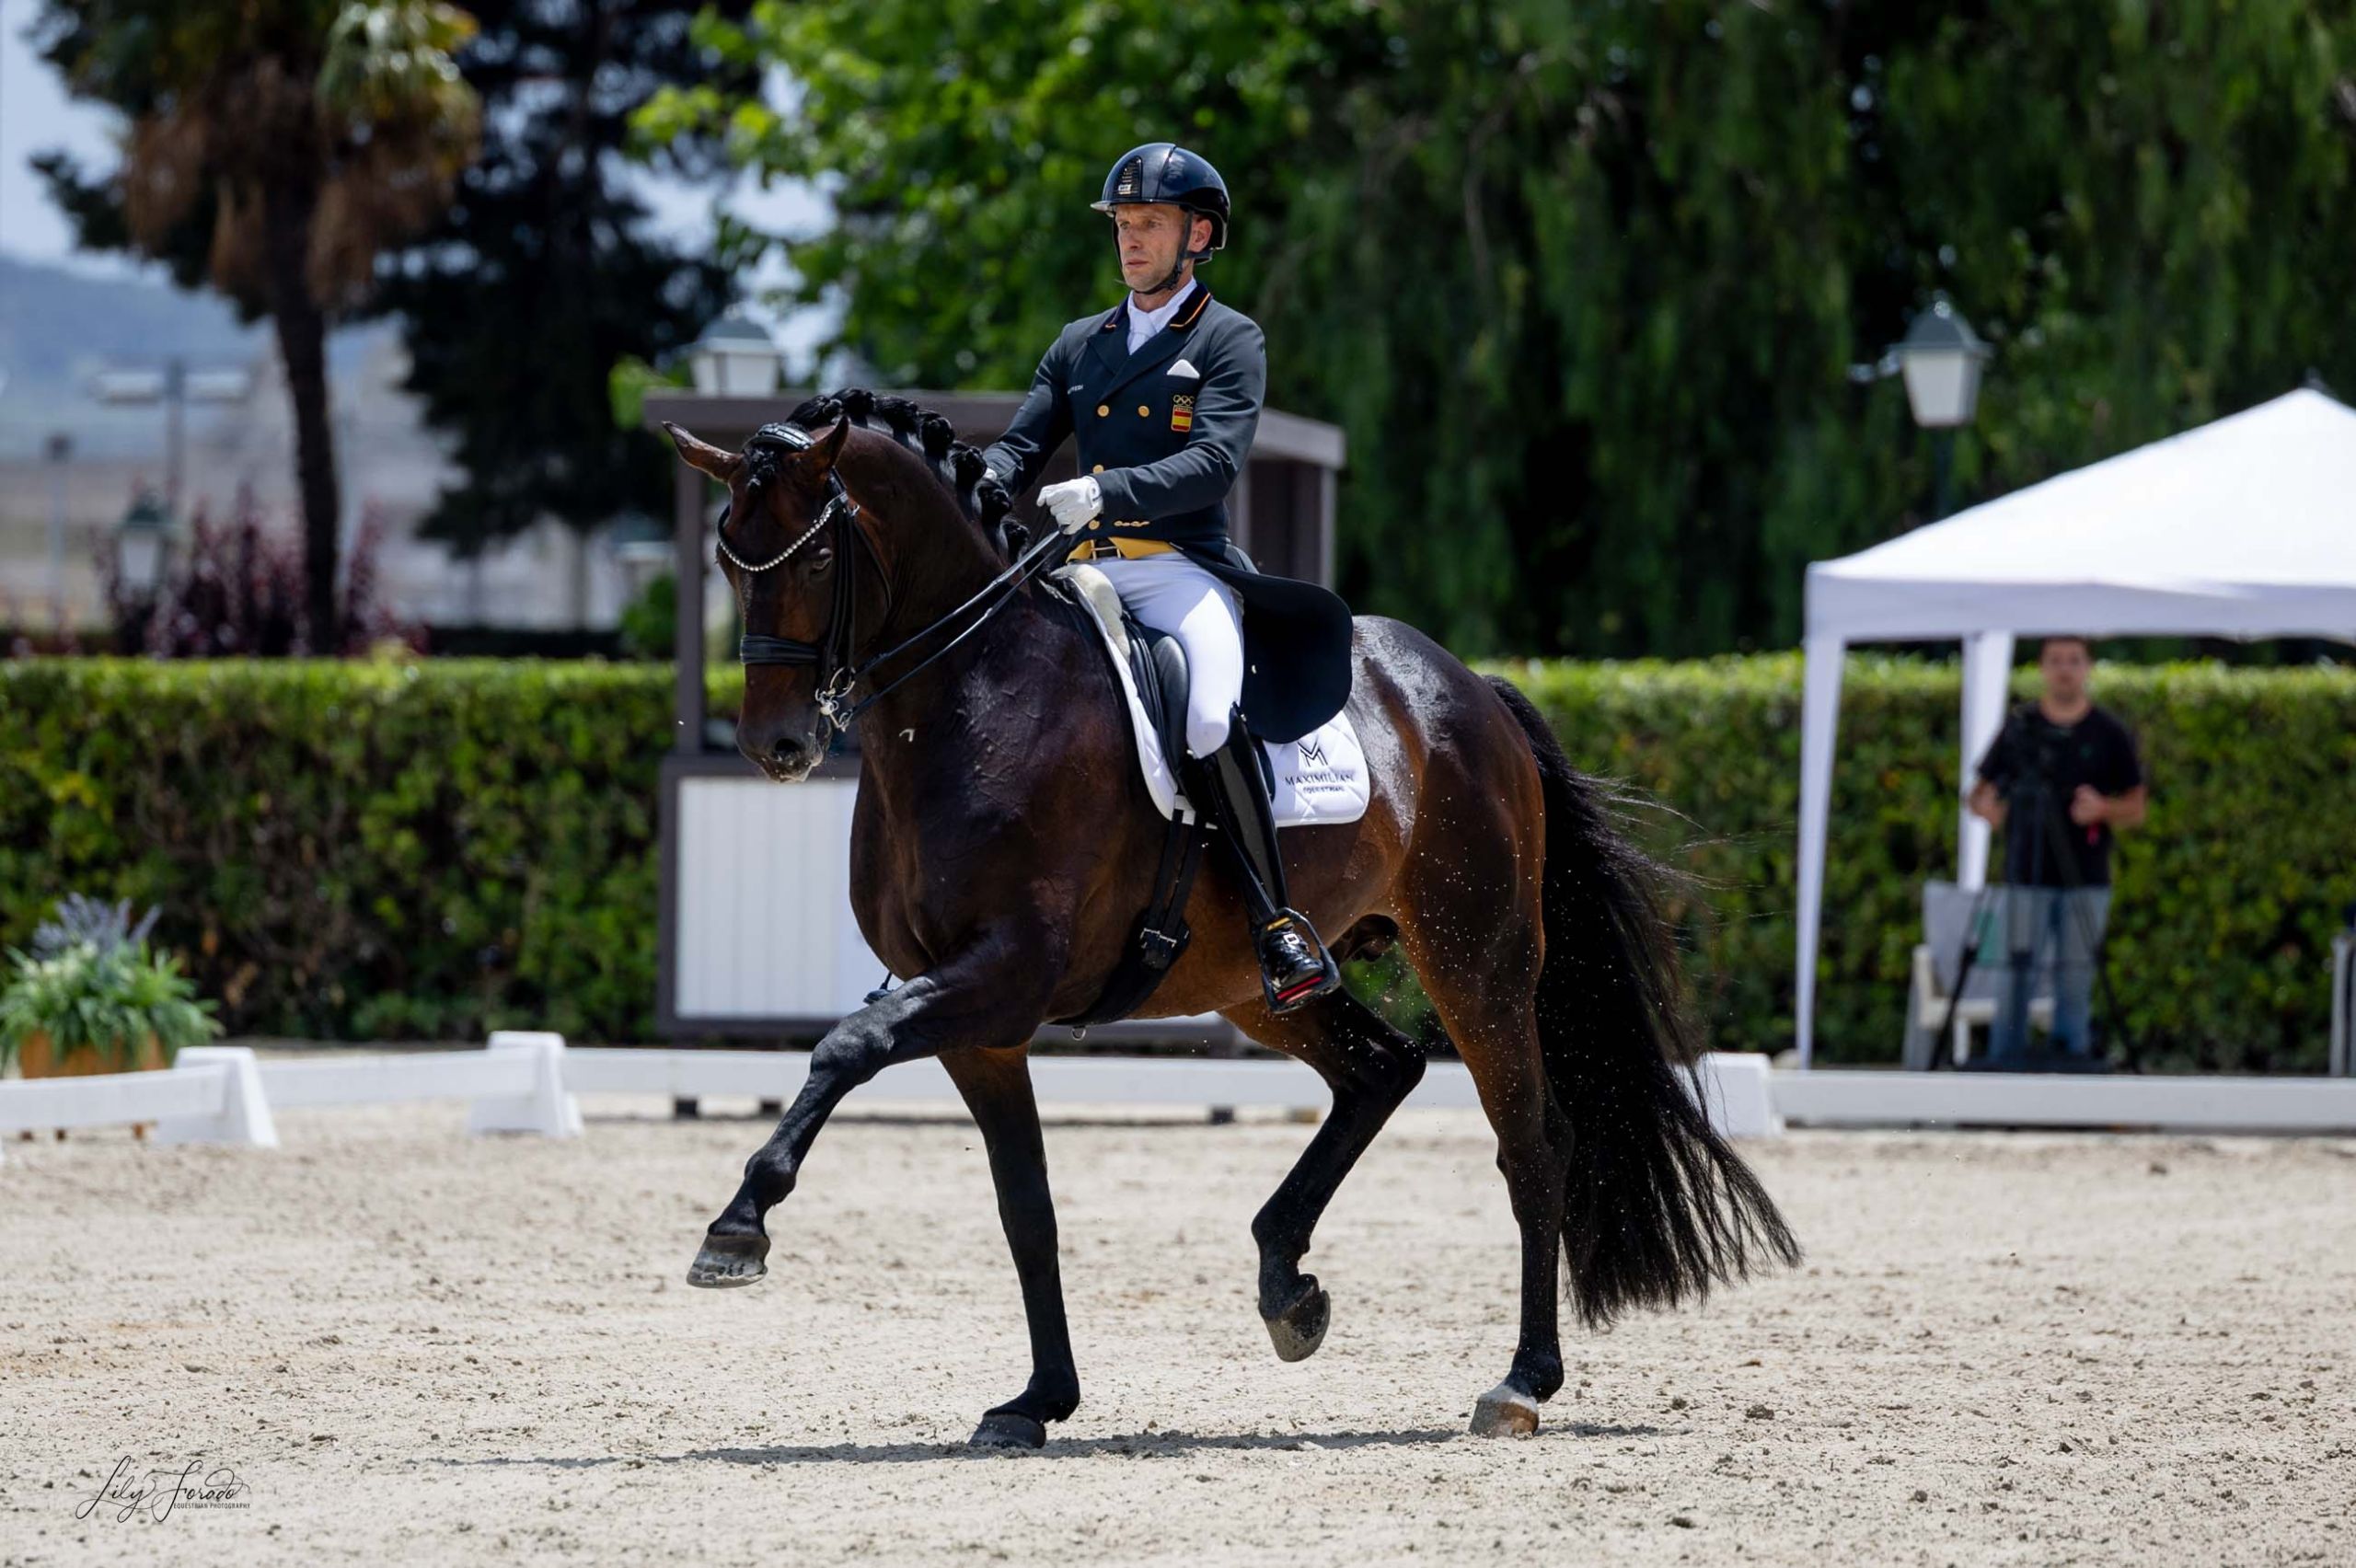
pixel 91 997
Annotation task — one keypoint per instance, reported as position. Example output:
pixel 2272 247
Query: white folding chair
pixel 1947 911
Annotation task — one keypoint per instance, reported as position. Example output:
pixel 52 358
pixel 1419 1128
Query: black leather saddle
pixel 1157 666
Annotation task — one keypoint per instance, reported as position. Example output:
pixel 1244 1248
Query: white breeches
pixel 1171 594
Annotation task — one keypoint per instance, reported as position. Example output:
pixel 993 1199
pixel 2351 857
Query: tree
pixel 541 276
pixel 1582 282
pixel 274 148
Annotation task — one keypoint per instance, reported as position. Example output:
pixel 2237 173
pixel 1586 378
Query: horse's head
pixel 782 548
pixel 824 579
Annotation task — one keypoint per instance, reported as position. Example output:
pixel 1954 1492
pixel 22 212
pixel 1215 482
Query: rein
pixel 833 656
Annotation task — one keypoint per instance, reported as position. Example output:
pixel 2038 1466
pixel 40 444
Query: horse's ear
pixel 830 446
pixel 703 458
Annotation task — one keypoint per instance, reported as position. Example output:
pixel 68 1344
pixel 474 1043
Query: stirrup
pixel 1298 989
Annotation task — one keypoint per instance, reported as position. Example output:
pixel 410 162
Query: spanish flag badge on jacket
pixel 1181 413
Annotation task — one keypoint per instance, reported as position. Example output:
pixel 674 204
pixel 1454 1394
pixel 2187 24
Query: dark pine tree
pixel 544 275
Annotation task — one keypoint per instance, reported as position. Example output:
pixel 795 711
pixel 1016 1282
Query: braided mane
pixel 958 466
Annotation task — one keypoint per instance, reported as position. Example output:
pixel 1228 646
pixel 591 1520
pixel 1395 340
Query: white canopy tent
pixel 2246 527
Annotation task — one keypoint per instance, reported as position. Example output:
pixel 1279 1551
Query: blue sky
pixel 34 116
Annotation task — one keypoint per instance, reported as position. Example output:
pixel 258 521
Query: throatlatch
pixel 1231 787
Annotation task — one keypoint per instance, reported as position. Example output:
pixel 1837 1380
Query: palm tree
pixel 275 148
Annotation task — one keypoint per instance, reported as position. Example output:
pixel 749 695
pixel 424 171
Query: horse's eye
pixel 821 560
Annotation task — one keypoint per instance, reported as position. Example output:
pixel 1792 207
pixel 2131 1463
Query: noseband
pixel 832 657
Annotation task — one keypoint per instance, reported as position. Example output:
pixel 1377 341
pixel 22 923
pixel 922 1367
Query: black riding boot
pixel 1233 794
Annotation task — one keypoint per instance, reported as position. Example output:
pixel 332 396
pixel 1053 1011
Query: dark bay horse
pixel 1003 842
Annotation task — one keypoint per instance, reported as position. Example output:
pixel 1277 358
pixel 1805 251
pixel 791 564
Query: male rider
pixel 1162 393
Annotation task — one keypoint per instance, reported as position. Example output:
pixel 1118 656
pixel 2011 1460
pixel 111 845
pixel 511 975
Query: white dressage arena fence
pixel 529 1081
pixel 213 1094
pixel 1733 1086
pixel 526 1082
pixel 2173 1104
pixel 223 1094
pixel 515 1086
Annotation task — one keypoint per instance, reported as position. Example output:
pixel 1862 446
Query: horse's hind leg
pixel 1370 1067
pixel 996 1087
pixel 1482 978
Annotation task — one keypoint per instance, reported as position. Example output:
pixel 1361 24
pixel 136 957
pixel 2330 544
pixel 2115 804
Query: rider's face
pixel 1148 237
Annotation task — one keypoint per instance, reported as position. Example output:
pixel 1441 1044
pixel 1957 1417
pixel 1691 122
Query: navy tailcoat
pixel 1165 432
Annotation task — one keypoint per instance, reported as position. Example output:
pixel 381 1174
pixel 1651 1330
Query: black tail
pixel 1658 1208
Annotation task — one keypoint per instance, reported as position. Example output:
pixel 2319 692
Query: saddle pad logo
pixel 1312 753
pixel 1181 413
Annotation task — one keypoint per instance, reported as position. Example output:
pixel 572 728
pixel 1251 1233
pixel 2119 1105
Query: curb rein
pixel 833 656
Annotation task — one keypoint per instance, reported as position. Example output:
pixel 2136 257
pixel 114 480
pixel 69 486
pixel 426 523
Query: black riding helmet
pixel 1164 172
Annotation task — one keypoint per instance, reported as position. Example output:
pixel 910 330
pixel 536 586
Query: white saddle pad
pixel 1321 778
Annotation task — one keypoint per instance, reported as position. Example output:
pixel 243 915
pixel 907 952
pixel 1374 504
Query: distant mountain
pixel 58 326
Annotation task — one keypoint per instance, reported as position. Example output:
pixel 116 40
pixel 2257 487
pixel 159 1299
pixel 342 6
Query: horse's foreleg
pixel 954 1006
pixel 997 1088
pixel 1370 1067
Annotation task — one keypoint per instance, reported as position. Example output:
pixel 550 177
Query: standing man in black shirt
pixel 2071 769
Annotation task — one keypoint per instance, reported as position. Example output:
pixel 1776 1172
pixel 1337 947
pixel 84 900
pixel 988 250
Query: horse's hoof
pixel 1010 1429
pixel 1505 1411
pixel 728 1261
pixel 1299 1328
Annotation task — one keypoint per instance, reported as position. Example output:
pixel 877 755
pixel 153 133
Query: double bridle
pixel 833 656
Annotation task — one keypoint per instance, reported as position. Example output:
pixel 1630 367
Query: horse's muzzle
pixel 785 759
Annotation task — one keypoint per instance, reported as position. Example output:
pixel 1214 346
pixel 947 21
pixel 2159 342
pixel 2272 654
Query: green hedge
pixel 2227 896
pixel 353 850
pixel 437 849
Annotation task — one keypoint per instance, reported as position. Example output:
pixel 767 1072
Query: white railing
pixel 115 1098
pixel 1734 1087
pixel 213 1094
pixel 221 1094
pixel 526 1082
pixel 1823 1098
pixel 517 1085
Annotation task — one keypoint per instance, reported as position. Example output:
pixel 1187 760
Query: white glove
pixel 1073 503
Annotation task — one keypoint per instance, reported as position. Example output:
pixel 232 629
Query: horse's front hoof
pixel 1010 1429
pixel 728 1261
pixel 1299 1328
pixel 1505 1411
